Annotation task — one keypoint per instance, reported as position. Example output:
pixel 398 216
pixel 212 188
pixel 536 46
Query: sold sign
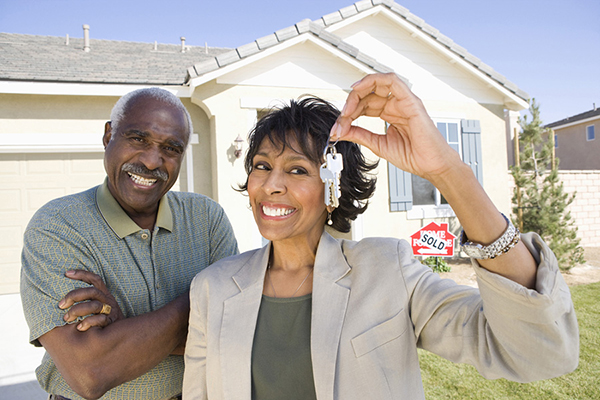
pixel 433 240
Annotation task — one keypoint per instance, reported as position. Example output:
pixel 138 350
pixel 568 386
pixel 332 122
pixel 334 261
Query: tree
pixel 539 201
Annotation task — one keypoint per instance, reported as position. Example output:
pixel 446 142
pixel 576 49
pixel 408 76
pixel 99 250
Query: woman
pixel 308 316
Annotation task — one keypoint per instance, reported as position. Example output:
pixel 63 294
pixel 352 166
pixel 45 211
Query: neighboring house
pixel 577 147
pixel 577 142
pixel 55 98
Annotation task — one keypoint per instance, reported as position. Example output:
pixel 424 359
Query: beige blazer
pixel 372 306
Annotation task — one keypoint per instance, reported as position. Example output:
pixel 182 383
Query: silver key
pixel 335 164
pixel 331 173
pixel 328 178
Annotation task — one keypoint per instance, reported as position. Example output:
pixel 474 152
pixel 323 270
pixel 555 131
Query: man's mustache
pixel 141 170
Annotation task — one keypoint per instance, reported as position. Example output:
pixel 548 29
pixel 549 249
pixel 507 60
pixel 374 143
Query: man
pixel 138 246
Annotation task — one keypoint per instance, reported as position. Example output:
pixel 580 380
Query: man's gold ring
pixel 105 309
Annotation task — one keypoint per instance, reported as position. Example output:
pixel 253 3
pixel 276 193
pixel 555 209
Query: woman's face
pixel 286 194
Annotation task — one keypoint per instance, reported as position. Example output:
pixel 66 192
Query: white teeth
pixel 277 212
pixel 140 180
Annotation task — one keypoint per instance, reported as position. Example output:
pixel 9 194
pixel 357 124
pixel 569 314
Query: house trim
pixel 81 89
pixel 207 77
pixel 579 122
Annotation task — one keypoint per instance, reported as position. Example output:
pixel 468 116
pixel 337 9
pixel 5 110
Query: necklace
pixel 273 287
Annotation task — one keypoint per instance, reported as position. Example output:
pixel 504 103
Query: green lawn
pixel 445 380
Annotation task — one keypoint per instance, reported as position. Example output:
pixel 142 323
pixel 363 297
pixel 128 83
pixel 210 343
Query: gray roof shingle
pixel 579 117
pixel 48 58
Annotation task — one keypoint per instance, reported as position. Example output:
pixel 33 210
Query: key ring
pixel 330 146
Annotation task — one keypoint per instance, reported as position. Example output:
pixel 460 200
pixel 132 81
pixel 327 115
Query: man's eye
pixel 175 150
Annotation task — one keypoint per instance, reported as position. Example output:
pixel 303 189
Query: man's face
pixel 143 158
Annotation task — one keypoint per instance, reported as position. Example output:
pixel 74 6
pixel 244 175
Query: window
pixel 555 141
pixel 591 133
pixel 418 196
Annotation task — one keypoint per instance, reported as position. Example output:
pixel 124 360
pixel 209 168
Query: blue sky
pixel 549 48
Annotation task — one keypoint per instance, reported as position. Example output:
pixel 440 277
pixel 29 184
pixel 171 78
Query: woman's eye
pixel 298 171
pixel 260 167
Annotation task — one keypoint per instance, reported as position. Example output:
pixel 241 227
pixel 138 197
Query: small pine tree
pixel 539 201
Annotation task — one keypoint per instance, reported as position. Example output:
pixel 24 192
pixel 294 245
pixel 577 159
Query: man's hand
pixel 90 302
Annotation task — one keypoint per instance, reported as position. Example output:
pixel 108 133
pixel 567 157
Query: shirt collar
pixel 119 221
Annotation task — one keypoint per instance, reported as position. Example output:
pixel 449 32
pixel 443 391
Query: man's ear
pixel 107 134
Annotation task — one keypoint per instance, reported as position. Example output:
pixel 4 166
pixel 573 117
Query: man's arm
pixel 101 358
pixel 85 305
pixel 93 361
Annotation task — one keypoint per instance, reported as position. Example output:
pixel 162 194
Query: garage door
pixel 28 181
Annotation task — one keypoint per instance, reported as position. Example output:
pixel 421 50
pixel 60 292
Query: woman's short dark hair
pixel 307 122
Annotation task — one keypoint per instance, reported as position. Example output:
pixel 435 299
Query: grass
pixel 445 380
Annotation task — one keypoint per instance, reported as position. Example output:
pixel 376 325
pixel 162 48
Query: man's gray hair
pixel 163 95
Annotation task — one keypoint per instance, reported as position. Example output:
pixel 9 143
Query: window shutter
pixel 400 189
pixel 471 145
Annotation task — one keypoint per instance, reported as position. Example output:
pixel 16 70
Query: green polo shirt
pixel 143 269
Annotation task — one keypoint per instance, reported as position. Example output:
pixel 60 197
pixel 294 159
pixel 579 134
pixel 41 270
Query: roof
pixel 575 118
pixel 50 59
pixel 318 28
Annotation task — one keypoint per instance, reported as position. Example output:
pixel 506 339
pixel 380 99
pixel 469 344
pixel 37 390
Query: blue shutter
pixel 471 146
pixel 400 183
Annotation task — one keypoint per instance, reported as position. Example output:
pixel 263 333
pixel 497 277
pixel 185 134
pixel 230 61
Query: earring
pixel 329 221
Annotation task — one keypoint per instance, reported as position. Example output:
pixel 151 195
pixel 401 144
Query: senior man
pixel 106 272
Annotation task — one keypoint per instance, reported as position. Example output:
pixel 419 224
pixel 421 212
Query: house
pixel 56 94
pixel 575 141
pixel 577 148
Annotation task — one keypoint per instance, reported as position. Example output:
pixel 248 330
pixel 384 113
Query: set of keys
pixel 330 175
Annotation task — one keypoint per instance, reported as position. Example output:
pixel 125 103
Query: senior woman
pixel 308 316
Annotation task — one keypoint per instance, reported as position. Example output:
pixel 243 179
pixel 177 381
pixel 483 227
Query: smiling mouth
pixel 277 212
pixel 141 180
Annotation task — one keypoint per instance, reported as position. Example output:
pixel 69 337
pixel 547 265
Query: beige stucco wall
pixel 574 151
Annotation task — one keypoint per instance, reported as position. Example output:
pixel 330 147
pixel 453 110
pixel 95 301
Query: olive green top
pixel 281 362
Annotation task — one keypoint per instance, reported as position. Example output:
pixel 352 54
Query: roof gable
pixel 364 8
pixel 268 45
pixel 326 27
pixel 306 64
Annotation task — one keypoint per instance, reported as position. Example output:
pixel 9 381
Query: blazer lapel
pixel 329 302
pixel 240 313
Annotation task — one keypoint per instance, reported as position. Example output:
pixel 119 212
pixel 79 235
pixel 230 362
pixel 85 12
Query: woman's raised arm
pixel 413 144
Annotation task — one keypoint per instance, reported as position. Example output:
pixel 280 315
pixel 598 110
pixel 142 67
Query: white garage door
pixel 28 181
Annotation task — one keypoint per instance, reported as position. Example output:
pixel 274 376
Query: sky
pixel 548 48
